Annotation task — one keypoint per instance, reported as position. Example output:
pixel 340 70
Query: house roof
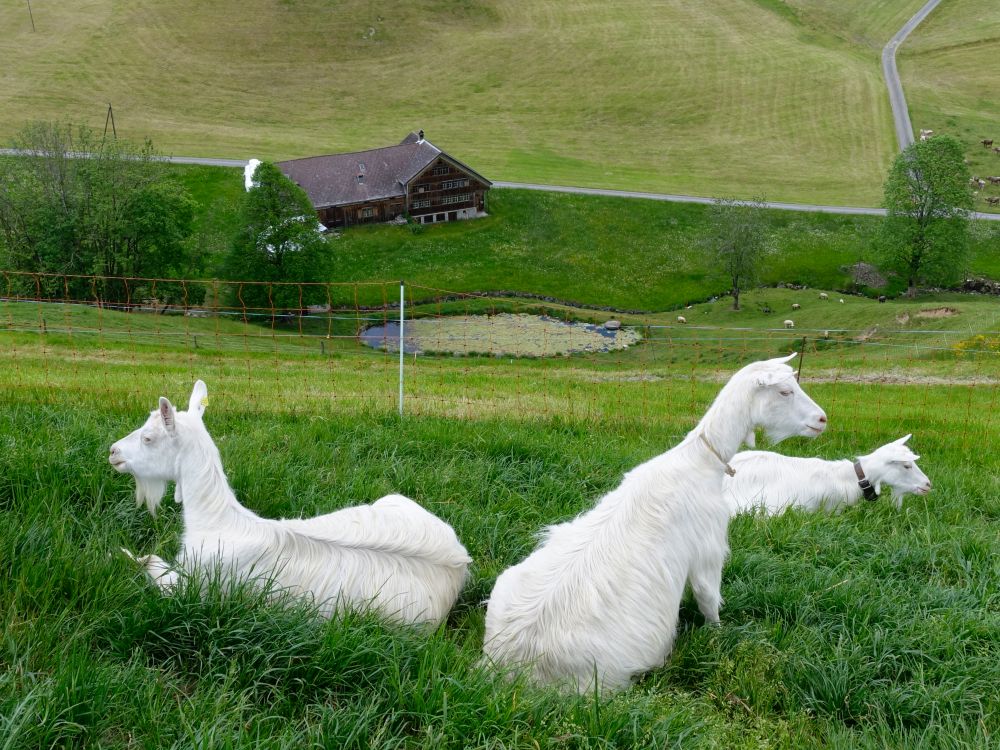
pixel 362 176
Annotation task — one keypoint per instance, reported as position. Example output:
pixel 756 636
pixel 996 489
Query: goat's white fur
pixel 600 596
pixel 392 556
pixel 774 483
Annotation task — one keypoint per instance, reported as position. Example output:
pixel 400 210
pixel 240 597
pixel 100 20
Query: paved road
pixel 900 114
pixel 805 207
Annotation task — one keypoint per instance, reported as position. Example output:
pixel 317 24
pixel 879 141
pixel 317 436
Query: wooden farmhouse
pixel 382 184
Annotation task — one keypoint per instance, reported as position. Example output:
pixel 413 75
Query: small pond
pixel 504 334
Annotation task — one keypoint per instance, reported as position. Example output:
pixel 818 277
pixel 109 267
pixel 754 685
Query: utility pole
pixel 110 118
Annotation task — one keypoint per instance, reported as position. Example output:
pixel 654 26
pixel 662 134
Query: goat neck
pixel 202 487
pixel 727 422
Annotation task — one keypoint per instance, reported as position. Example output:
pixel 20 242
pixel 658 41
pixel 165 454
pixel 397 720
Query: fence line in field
pixel 465 356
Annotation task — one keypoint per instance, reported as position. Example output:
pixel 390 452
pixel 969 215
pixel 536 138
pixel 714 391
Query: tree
pixel 738 239
pixel 925 234
pixel 278 242
pixel 73 203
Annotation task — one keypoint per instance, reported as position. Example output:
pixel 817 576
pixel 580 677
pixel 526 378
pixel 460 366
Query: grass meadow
pixel 733 97
pixel 619 252
pixel 873 628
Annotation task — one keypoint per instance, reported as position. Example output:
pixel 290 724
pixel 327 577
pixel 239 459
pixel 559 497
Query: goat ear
pixel 784 360
pixel 199 398
pixel 168 414
pixel 902 440
pixel 769 377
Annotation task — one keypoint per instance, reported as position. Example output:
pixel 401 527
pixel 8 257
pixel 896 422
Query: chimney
pixel 420 136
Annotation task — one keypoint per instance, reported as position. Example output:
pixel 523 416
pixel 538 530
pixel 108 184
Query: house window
pixel 424 203
pixel 449 184
pixel 460 198
pixel 441 170
pixel 367 213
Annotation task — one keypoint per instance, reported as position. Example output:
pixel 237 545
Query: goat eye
pixel 907 466
pixel 785 393
pixel 147 439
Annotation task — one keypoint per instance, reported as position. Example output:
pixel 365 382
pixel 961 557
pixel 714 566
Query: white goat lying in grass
pixel 600 595
pixel 392 556
pixel 775 483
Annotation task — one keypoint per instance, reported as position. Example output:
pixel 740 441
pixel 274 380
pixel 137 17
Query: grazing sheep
pixel 789 324
pixel 925 134
pixel 796 306
pixel 392 555
pixel 681 319
pixel 824 295
pixel 987 142
pixel 599 598
pixel 882 298
pixel 994 180
pixel 994 200
pixel 774 483
pixel 841 300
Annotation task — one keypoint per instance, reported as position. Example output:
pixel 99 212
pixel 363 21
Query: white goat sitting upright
pixel 775 483
pixel 600 596
pixel 391 556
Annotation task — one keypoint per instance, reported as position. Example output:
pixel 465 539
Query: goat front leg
pixel 157 570
pixel 705 578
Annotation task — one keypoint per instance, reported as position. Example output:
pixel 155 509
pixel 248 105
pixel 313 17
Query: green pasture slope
pixel 874 628
pixel 728 97
pixel 618 252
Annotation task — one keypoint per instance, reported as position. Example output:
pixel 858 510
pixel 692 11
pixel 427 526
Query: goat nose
pixel 115 450
pixel 822 418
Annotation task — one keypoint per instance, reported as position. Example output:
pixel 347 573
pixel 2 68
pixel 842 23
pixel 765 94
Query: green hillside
pixel 949 72
pixel 723 98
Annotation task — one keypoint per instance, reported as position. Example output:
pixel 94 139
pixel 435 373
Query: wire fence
pixel 384 347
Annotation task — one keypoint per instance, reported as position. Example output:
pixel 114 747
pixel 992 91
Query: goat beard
pixel 149 492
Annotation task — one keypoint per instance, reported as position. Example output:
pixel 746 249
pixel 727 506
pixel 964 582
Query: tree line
pixel 76 203
pixel 94 210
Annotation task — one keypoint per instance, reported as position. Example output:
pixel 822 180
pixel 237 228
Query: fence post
pixel 802 356
pixel 402 323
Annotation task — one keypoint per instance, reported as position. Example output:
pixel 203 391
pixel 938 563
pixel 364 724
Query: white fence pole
pixel 402 322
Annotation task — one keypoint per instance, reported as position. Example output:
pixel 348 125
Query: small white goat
pixel 775 483
pixel 681 319
pixel 392 556
pixel 600 596
pixel 796 306
pixel 789 324
pixel 824 295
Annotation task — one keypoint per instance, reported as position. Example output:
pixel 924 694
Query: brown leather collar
pixel 863 483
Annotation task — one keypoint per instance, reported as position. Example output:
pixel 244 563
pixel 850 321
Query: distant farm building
pixel 368 187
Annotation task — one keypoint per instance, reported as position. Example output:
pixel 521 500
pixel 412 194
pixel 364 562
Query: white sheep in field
pixel 796 306
pixel 391 556
pixel 789 324
pixel 824 295
pixel 600 595
pixel 681 319
pixel 774 483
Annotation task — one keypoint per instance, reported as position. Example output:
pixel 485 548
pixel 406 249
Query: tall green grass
pixel 873 628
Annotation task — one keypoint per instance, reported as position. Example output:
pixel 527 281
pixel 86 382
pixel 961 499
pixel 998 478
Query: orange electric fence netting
pixel 313 348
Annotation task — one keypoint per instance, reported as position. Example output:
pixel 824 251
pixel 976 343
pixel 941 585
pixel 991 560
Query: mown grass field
pixel 727 98
pixel 947 69
pixel 873 628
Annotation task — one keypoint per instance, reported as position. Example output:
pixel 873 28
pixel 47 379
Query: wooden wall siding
pixel 436 184
pixel 427 186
